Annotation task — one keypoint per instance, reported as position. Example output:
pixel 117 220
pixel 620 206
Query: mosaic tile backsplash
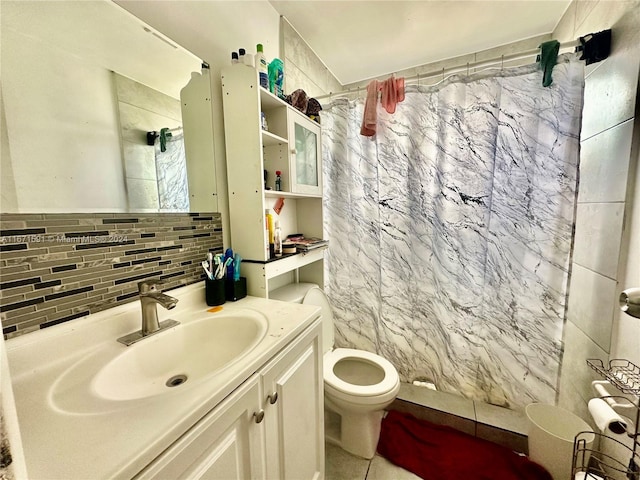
pixel 59 267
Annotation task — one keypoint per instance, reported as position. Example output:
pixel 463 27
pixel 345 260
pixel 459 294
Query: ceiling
pixel 359 39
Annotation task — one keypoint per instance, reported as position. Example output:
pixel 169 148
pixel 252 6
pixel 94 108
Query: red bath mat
pixel 437 452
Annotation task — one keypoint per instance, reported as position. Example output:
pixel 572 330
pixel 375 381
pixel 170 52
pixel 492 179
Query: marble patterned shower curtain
pixel 171 174
pixel 451 230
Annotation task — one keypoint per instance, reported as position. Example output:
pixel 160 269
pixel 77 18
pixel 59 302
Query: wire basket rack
pixel 622 374
pixel 591 463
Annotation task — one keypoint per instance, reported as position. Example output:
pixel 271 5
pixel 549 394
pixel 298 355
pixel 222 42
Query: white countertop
pixel 116 439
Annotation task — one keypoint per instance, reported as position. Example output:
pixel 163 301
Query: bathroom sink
pixel 167 362
pixel 184 354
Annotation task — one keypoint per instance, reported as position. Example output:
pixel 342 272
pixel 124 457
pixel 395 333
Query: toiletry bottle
pixel 278 181
pixel 248 60
pixel 266 232
pixel 234 58
pixel 267 213
pixel 262 66
pixel 277 240
pixel 241 52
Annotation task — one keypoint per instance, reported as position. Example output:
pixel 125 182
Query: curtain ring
pixel 443 74
pixel 502 63
pixel 418 79
pixel 467 69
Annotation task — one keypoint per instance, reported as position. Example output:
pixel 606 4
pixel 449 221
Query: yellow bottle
pixel 269 218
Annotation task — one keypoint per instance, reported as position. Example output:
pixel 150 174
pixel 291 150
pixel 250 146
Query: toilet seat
pixel 389 383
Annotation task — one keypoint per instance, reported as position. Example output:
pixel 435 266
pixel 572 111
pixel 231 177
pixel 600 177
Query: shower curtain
pixel 451 230
pixel 171 174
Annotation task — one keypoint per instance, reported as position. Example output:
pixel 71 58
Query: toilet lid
pixel 316 297
pixel 388 383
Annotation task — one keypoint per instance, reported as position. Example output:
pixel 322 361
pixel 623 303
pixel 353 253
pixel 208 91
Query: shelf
pixel 623 374
pixel 276 194
pixel 269 100
pixel 269 138
pixel 287 263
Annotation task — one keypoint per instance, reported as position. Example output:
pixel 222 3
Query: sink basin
pixel 166 362
pixel 183 354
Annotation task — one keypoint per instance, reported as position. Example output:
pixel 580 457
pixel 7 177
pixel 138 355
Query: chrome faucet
pixel 150 296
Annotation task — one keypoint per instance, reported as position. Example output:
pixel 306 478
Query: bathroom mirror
pixel 83 83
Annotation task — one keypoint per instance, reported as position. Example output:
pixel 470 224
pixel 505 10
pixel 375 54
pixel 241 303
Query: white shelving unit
pixel 292 146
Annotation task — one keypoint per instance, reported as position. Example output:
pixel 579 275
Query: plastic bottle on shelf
pixel 277 240
pixel 234 58
pixel 267 213
pixel 248 60
pixel 266 231
pixel 241 52
pixel 262 66
pixel 278 181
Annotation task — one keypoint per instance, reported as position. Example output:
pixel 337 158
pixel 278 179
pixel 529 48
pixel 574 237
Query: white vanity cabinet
pixel 271 427
pixel 292 146
pixel 224 445
pixel 294 412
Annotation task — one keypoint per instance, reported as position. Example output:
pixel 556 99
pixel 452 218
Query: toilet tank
pixel 293 293
pixel 299 292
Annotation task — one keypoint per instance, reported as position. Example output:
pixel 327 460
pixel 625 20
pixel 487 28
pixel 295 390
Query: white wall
pixel 303 69
pixel 607 242
pixel 74 100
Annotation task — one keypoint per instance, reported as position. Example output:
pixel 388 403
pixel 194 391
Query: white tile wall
pixel 606 245
pixel 591 303
pixel 597 240
pixel 578 347
pixel 610 93
pixel 604 165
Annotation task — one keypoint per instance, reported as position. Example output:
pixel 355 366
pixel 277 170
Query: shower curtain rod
pixel 445 72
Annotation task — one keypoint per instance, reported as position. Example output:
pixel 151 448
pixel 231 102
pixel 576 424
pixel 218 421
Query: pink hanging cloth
pixel 370 116
pixel 392 93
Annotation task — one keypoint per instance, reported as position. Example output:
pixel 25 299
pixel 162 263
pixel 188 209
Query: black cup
pixel 236 289
pixel 215 291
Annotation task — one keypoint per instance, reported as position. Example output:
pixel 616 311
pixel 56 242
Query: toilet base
pixel 355 433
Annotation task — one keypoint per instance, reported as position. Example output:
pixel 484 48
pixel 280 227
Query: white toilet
pixel 358 385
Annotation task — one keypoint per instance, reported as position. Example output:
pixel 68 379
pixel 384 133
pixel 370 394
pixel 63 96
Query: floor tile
pixel 340 465
pixel 383 469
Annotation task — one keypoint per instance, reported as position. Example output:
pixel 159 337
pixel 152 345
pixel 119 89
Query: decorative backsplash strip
pixel 58 267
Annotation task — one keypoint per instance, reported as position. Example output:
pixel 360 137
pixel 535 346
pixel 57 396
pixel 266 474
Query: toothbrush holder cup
pixel 215 291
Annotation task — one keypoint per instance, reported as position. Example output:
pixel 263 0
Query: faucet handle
pixel 148 286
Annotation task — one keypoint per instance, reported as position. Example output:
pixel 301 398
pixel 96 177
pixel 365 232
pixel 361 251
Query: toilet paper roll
pixel 630 302
pixel 606 417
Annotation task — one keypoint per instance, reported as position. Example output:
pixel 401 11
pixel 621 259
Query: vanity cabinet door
pixel 306 157
pixel 225 445
pixel 294 411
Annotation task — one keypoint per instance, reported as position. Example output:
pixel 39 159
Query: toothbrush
pixel 236 267
pixel 205 265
